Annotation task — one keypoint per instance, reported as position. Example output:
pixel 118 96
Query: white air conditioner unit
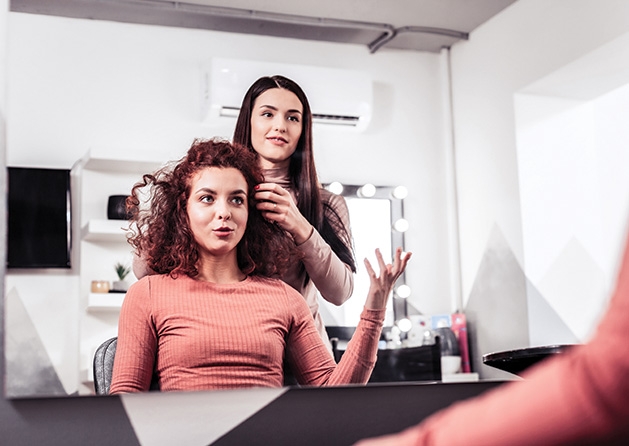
pixel 337 96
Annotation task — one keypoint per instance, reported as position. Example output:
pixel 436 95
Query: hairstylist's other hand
pixel 277 205
pixel 380 287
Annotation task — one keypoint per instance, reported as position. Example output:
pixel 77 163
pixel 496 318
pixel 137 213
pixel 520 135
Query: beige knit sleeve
pixel 333 278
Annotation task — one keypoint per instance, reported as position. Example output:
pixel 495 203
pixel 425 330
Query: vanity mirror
pixel 134 91
pixel 377 221
pixel 164 121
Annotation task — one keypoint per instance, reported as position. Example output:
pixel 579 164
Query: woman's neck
pixel 266 164
pixel 277 175
pixel 219 269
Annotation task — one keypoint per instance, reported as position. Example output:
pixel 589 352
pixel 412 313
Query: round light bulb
pixel 335 187
pixel 403 291
pixel 405 325
pixel 400 192
pixel 401 225
pixel 367 191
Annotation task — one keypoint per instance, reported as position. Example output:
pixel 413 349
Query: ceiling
pixel 418 25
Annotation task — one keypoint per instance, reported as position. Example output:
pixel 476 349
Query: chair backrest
pixel 104 366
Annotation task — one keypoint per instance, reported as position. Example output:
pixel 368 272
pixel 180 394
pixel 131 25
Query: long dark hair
pixel 301 171
pixel 162 235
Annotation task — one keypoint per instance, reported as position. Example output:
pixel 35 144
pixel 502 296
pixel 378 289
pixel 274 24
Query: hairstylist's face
pixel 217 210
pixel 276 124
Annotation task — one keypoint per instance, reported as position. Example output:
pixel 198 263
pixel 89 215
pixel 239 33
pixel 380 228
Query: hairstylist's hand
pixel 277 205
pixel 380 287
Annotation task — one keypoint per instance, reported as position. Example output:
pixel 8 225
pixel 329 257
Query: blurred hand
pixel 405 438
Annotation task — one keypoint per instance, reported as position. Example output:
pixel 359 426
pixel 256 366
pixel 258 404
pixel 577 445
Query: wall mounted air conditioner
pixel 337 96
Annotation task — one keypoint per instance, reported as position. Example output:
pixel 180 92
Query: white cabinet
pixel 99 244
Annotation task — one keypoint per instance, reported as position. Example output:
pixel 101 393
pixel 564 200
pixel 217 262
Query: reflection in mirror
pixel 130 93
pixel 377 221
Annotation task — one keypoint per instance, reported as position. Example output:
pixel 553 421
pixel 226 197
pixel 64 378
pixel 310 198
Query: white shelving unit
pixel 104 302
pixel 104 231
pixel 100 244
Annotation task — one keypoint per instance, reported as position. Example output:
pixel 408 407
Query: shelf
pixel 110 302
pixel 105 231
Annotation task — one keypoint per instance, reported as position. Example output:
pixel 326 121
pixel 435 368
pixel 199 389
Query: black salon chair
pixel 104 367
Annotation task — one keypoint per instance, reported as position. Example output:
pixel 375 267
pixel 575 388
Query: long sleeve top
pixel 328 274
pixel 579 397
pixel 198 335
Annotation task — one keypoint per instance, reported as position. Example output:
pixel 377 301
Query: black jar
pixel 117 208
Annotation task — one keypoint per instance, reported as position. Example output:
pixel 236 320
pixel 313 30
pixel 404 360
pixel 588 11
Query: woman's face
pixel 276 124
pixel 217 210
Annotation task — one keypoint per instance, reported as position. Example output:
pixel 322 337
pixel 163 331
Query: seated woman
pixel 216 316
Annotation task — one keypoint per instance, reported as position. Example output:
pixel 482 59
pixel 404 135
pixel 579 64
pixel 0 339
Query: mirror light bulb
pixel 401 225
pixel 400 192
pixel 368 190
pixel 403 291
pixel 405 325
pixel 335 188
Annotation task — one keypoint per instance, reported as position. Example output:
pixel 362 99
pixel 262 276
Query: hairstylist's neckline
pixel 278 175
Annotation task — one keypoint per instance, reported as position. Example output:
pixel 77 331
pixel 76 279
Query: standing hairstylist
pixel 276 122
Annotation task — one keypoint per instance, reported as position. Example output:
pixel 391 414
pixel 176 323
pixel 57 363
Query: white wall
pixel 525 43
pixel 134 90
pixel 573 159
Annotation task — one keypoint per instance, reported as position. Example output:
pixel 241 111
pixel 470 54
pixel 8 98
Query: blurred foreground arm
pixel 579 397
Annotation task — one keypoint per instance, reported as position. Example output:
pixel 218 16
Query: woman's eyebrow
pixel 208 190
pixel 294 110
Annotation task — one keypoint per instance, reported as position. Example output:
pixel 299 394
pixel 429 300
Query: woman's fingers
pixel 401 259
pixel 381 263
pixel 272 200
pixel 370 271
pixel 389 272
pixel 270 192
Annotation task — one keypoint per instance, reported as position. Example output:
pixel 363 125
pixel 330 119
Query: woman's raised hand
pixel 277 205
pixel 380 286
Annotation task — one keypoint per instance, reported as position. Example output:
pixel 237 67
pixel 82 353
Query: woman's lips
pixel 222 232
pixel 277 140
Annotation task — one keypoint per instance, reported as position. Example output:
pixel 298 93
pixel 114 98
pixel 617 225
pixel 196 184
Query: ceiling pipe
pixel 388 31
pixel 380 42
pixel 139 10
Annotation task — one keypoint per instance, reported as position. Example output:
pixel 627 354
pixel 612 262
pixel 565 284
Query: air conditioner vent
pixel 335 119
pixel 337 96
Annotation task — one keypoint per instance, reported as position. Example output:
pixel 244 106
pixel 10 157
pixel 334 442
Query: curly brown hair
pixel 161 234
